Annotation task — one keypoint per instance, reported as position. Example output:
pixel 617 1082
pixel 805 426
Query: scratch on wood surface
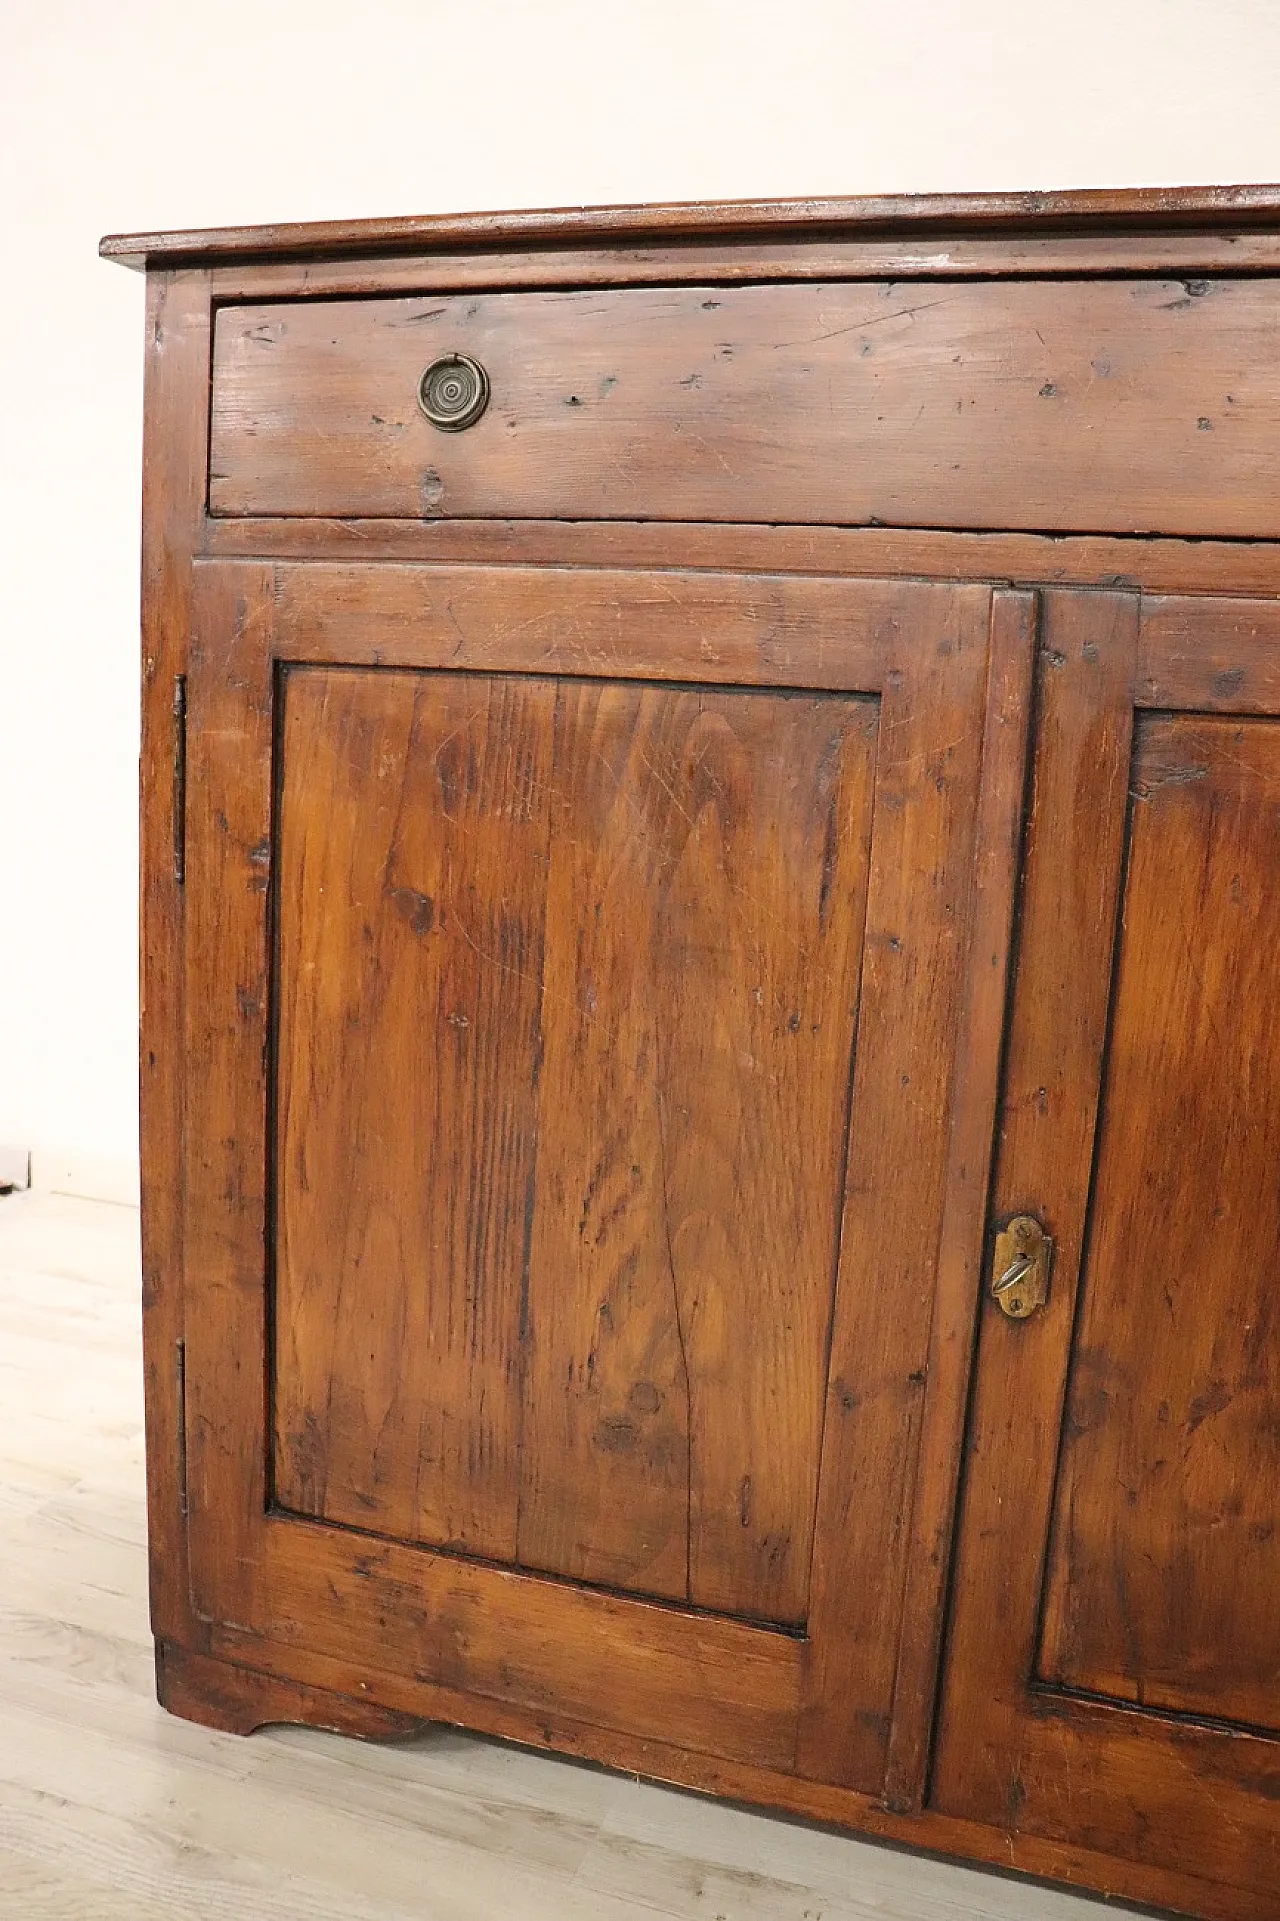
pixel 669 790
pixel 504 967
pixel 861 326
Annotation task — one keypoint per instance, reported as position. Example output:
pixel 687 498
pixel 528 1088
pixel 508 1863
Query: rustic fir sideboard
pixel 711 1080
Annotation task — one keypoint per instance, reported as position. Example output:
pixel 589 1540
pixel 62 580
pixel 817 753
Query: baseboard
pixel 15 1168
pixel 90 1177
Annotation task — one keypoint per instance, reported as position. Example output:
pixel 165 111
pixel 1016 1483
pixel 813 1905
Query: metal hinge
pixel 180 779
pixel 182 1427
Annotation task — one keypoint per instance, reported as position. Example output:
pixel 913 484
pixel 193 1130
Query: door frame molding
pixel 947 794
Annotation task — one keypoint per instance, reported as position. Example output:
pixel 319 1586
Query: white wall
pixel 152 113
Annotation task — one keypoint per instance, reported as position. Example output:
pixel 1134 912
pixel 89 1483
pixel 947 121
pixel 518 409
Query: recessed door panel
pixel 1164 1569
pixel 567 980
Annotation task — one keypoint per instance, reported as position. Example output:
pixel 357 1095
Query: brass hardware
pixel 1020 1267
pixel 453 393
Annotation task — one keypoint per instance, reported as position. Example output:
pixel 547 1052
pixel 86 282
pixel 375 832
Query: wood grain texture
pixel 217 1694
pixel 175 426
pixel 997 844
pixel 1006 1849
pixel 1124 210
pixel 711 628
pixel 903 256
pixel 512 1634
pixel 1069 892
pixel 1164 1566
pixel 612 922
pixel 1131 406
pixel 708 860
pixel 413 831
pixel 918 907
pixel 552 1286
pixel 713 1684
pixel 1221 655
pixel 225 1162
pixel 1197 1799
pixel 1201 572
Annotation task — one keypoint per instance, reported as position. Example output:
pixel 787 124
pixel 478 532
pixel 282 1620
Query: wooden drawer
pixel 1138 405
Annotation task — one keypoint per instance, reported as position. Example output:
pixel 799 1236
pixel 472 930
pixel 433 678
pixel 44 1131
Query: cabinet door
pixel 1114 1664
pixel 577 965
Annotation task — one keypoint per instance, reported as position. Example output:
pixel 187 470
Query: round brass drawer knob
pixel 453 392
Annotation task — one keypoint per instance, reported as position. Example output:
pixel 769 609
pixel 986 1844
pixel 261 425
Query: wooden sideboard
pixel 711 1089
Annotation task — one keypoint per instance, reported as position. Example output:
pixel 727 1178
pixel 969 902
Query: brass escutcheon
pixel 1020 1267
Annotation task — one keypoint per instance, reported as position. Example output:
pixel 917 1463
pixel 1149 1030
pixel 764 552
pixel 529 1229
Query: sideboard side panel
pixel 175 434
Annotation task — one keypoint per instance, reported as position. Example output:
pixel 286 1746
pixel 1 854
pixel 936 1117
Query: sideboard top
pixel 1109 209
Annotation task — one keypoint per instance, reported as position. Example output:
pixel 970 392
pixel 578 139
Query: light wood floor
pixel 110 1810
